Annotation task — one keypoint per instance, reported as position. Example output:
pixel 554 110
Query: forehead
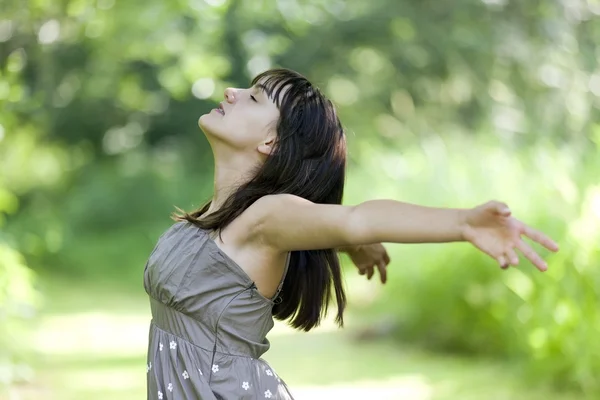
pixel 273 90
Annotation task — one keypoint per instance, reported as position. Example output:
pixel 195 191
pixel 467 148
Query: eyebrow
pixel 270 93
pixel 263 89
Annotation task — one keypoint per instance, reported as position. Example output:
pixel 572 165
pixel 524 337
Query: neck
pixel 230 173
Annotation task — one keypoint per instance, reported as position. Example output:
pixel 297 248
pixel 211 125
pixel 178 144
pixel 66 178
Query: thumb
pixel 501 208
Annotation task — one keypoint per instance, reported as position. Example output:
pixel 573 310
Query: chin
pixel 207 124
pixel 203 121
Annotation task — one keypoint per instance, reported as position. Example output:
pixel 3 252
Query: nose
pixel 230 95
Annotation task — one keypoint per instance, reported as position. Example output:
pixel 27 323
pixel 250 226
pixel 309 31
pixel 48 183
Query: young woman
pixel 266 245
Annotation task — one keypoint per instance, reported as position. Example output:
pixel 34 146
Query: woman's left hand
pixel 491 228
pixel 367 257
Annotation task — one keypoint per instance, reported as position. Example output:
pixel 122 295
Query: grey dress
pixel 209 323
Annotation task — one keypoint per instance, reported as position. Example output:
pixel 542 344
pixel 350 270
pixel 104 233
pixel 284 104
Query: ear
pixel 267 146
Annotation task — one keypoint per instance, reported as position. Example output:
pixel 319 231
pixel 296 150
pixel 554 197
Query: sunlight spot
pixel 106 4
pixel 203 88
pixel 6 30
pixel 389 126
pixel 562 312
pixel 403 28
pixel 47 166
pixel 255 40
pixel 215 3
pixel 258 64
pixel 4 90
pixel 283 329
pixel 65 92
pixel 500 92
pixel 335 7
pixel 49 32
pixel 458 89
pixel 402 103
pixel 495 2
pixel 476 294
pixel 343 91
pixel 519 283
pixel 538 338
pixel 120 139
pixel 594 201
pixel 586 228
pixel 566 188
pixel 594 84
pixel 289 9
pixel 367 60
pixel 16 60
pixel 313 15
pixel 509 119
pixel 96 333
pixel 551 76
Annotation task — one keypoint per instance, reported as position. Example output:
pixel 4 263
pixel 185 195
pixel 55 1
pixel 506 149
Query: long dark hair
pixel 309 161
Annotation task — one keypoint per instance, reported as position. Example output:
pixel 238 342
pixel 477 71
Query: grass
pixel 91 340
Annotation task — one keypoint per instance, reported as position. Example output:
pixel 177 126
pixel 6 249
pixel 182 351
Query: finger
pixel 386 258
pixel 531 255
pixel 381 266
pixel 370 272
pixel 501 208
pixel 362 271
pixel 503 262
pixel 512 257
pixel 542 239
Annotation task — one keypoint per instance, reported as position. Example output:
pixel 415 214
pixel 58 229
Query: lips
pixel 220 109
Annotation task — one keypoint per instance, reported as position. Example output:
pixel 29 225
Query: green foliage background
pixel 447 104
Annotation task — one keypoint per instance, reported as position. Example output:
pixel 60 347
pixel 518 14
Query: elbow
pixel 358 231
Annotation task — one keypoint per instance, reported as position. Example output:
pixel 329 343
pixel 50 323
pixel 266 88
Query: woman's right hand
pixel 367 257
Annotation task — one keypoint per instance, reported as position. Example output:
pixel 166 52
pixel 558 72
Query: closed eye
pixel 253 99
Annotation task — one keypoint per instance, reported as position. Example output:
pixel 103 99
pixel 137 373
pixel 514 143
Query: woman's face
pixel 245 120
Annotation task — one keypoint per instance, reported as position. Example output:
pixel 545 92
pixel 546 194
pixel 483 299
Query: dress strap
pixel 285 270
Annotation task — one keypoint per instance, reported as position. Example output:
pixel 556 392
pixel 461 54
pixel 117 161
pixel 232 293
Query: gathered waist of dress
pixel 182 325
pixel 202 335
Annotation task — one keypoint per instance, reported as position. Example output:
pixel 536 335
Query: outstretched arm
pixel 288 223
pixel 292 223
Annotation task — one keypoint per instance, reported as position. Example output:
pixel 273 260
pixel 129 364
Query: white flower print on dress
pixel 185 375
pixel 269 372
pixel 200 371
pixel 148 367
pixel 159 395
pixel 170 387
pixel 215 368
pixel 245 386
pixel 160 347
pixel 268 394
pixel 172 345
